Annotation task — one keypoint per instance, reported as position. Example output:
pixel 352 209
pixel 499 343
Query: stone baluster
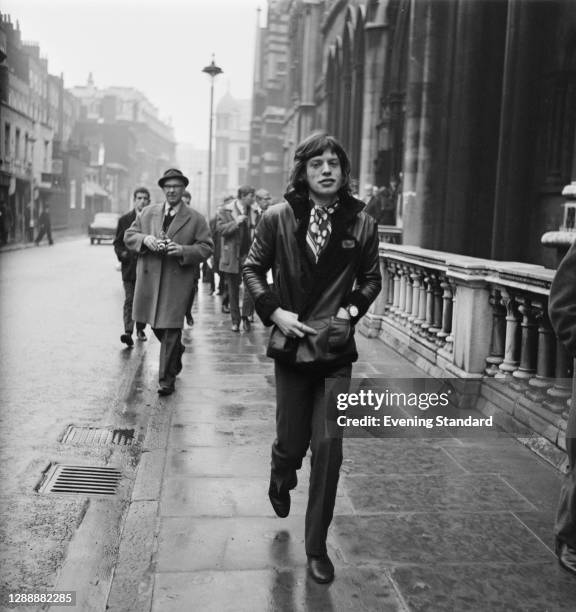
pixel 449 343
pixel 422 300
pixel 416 277
pixel 437 310
pixel 498 336
pixel 545 365
pixel 395 289
pixel 409 292
pixel 446 312
pixel 429 321
pixel 528 343
pixel 402 304
pixel 512 343
pixel 561 390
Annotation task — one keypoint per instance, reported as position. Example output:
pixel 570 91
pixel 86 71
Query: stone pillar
pixel 498 337
pixel 545 363
pixel 512 345
pixel 528 343
pixel 472 323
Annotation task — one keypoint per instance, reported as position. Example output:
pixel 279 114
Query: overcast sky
pixel 156 46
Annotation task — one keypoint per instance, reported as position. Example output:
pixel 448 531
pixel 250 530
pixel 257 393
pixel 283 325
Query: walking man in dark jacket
pixel 128 260
pixel 323 251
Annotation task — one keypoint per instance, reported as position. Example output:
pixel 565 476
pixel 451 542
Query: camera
pixel 162 246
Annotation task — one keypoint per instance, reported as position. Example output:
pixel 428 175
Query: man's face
pixel 140 201
pixel 173 190
pixel 324 175
pixel 248 199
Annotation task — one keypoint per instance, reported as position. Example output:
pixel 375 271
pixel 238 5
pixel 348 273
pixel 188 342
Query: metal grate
pixel 98 436
pixel 83 479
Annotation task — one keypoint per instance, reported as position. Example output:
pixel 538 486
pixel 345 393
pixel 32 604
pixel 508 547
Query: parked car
pixel 103 227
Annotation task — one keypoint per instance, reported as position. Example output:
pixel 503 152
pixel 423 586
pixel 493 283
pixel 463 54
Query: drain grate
pixel 98 436
pixel 83 479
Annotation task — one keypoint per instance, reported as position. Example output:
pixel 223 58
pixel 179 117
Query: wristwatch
pixel 352 311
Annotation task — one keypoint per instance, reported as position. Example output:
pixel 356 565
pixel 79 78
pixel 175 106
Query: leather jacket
pixel 347 272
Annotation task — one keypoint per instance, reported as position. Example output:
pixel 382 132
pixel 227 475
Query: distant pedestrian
pixel 44 226
pixel 562 309
pixel 323 250
pixel 3 224
pixel 171 239
pixel 234 230
pixel 128 260
pixel 187 199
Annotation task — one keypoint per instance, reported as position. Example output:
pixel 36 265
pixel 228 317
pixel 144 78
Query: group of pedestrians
pixel 310 270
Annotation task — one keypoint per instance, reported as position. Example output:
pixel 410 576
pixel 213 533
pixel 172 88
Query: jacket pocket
pixel 339 333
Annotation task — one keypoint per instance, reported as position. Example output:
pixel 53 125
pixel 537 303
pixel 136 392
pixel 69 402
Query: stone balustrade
pixel 465 317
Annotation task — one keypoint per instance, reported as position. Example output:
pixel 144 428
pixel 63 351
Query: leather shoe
pixel 189 320
pixel 235 327
pixel 566 557
pixel 246 324
pixel 127 339
pixel 162 390
pixel 280 496
pixel 321 569
pixel 141 335
pixel 225 309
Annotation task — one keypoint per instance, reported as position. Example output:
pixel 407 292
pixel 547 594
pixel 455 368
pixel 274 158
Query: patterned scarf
pixel 320 228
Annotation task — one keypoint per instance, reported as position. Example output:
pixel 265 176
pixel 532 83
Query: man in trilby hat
pixel 170 239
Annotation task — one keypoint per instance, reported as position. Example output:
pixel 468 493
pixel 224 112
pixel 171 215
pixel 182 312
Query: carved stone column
pixel 416 289
pixel 561 391
pixel 446 312
pixel 498 336
pixel 513 331
pixel 545 362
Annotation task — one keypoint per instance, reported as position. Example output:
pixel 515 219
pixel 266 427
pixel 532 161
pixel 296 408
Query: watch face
pixel 353 310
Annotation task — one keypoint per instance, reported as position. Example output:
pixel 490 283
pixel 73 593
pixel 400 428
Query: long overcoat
pixel 164 283
pixel 234 237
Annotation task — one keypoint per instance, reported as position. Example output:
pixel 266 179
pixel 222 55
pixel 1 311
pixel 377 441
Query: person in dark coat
pixel 128 260
pixel 234 231
pixel 44 226
pixel 171 239
pixel 323 252
pixel 187 199
pixel 562 310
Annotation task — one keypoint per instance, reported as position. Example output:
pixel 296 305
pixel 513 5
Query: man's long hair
pixel 314 145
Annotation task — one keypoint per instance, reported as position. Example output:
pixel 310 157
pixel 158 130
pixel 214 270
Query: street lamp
pixel 213 71
pixel 199 181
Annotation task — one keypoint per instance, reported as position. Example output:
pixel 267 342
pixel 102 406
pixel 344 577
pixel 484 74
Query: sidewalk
pixel 57 235
pixel 436 525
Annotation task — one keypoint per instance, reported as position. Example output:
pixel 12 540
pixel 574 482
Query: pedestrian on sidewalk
pixel 323 250
pixel 232 225
pixel 562 309
pixel 170 239
pixel 187 199
pixel 44 226
pixel 128 261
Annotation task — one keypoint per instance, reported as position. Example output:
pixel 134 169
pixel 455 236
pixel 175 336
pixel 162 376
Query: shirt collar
pixel 175 208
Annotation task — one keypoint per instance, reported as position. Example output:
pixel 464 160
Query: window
pixel 72 193
pixel 242 154
pixel 17 143
pixel 7 140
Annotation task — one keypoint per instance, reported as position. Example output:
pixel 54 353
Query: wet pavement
pixel 420 524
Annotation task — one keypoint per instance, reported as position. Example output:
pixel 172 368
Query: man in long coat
pixel 170 239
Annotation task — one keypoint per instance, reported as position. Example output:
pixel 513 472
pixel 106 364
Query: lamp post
pixel 199 181
pixel 213 71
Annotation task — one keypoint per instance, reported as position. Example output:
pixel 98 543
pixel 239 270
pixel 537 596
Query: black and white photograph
pixel 288 305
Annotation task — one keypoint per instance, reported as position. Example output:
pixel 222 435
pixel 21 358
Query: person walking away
pixel 44 226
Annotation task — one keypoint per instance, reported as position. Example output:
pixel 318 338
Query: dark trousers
pixel 301 422
pixel 171 350
pixel 129 287
pixel 233 284
pixel 191 298
pixel 44 230
pixel 565 527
